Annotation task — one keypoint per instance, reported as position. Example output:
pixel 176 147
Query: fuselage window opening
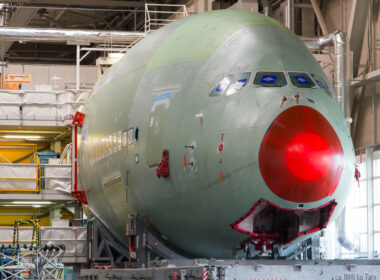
pixel 241 81
pixel 301 80
pixel 222 86
pixel 322 84
pixel 270 79
pixel 231 84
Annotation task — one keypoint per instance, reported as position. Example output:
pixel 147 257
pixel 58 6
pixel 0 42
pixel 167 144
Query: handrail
pixel 38 175
pixel 150 22
pixel 17 178
pixel 2 190
pixel 37 178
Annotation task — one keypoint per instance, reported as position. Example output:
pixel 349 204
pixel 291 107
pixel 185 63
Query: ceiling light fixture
pixel 22 136
pixel 31 202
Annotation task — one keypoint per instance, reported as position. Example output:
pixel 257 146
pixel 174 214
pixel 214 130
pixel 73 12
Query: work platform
pixel 39 108
pixel 41 117
pixel 245 270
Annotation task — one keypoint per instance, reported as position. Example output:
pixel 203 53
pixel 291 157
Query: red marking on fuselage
pixel 357 176
pixel 220 148
pixel 163 168
pixel 284 99
pixel 297 96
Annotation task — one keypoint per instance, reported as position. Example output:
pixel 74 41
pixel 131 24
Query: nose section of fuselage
pixel 301 158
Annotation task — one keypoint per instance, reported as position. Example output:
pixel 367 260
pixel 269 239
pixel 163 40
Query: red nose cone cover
pixel 301 158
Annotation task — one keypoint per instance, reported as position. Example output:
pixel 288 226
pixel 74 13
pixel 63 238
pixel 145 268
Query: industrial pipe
pixel 338 40
pixel 341 82
pixel 289 20
pixel 267 8
pixel 67 35
pixel 342 237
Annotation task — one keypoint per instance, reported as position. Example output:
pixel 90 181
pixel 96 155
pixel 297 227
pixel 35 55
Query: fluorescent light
pixel 21 136
pixel 32 202
pixel 22 206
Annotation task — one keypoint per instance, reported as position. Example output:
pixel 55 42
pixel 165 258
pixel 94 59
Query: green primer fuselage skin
pixel 192 208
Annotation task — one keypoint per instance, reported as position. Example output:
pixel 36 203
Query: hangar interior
pixel 54 51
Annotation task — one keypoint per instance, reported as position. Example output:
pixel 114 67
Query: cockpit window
pixel 270 79
pixel 222 86
pixel 322 84
pixel 240 82
pixel 301 80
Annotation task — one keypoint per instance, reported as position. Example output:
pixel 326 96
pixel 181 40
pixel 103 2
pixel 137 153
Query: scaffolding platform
pixel 39 108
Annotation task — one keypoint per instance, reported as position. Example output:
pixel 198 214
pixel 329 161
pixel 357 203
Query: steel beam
pixel 370 204
pixel 366 79
pixel 20 18
pixel 54 21
pixel 321 20
pixel 356 30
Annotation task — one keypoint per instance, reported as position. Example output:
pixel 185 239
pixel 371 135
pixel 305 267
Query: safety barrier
pixel 27 177
pixel 39 108
pixel 20 178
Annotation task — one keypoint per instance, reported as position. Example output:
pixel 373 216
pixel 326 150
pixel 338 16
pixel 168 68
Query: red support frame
pixel 78 194
pixel 78 119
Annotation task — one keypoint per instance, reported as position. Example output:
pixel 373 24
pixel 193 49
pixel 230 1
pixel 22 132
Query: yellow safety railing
pixel 38 177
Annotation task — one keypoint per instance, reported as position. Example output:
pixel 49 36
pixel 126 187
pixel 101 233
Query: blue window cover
pixel 301 80
pixel 240 82
pixel 323 85
pixel 270 79
pixel 222 86
pixel 320 84
pixel 243 82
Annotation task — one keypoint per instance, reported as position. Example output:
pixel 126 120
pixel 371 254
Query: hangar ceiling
pixel 66 14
